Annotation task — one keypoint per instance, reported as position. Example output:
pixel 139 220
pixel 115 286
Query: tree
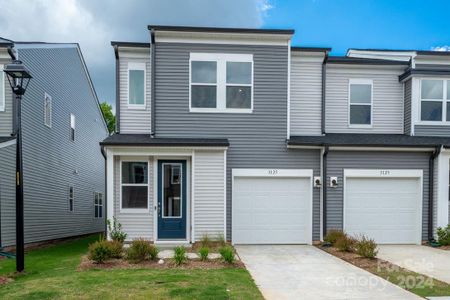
pixel 110 118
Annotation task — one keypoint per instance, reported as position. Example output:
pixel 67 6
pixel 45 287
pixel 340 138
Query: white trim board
pixel 8 143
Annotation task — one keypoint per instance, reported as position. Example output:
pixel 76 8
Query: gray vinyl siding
pixel 257 140
pixel 136 225
pixel 7 195
pixel 338 161
pixel 51 161
pixel 408 95
pixel 306 95
pixel 133 120
pixel 387 110
pixel 432 130
pixel 208 193
pixel 6 117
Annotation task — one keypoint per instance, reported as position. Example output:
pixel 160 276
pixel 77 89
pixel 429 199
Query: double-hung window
pixel 360 102
pixel 221 82
pixel 71 198
pixel 98 205
pixel 136 85
pixel 134 185
pixel 435 100
pixel 48 110
pixel 2 89
pixel 72 127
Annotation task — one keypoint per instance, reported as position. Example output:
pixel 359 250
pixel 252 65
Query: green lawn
pixel 51 273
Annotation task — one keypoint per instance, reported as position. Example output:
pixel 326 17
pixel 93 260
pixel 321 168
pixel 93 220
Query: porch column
pixel 109 186
pixel 442 195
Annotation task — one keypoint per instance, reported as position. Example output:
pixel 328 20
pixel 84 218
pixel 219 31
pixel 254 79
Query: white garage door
pixel 272 210
pixel 387 209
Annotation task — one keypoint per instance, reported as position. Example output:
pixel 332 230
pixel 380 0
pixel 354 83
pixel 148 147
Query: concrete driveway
pixel 305 272
pixel 421 259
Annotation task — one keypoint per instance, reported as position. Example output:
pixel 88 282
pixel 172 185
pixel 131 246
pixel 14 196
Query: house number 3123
pixel 273 172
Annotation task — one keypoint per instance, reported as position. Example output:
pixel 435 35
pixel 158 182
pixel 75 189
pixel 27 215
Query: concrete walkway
pixel 421 259
pixel 305 272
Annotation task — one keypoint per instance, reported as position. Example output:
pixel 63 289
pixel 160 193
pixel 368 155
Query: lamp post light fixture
pixel 19 78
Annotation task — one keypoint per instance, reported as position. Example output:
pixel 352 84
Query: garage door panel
pixel 271 210
pixel 385 209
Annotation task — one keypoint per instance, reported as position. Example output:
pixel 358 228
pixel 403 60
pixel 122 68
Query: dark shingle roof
pixel 363 61
pixel 6 138
pixel 369 140
pixel 220 29
pixel 146 140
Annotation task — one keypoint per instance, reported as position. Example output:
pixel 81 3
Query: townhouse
pixel 235 133
pixel 62 124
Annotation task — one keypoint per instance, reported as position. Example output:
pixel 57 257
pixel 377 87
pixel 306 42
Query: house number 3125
pixel 273 172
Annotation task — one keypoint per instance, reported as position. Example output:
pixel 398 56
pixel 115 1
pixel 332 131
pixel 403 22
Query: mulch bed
pixel 87 264
pixel 368 264
pixel 212 245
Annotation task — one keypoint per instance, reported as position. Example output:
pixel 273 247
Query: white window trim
pixel 349 104
pixel 98 205
pixel 221 59
pixel 73 199
pixel 47 96
pixel 135 210
pixel 139 66
pixel 2 97
pixel 444 101
pixel 72 126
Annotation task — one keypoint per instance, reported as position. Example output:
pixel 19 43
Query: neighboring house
pixel 63 169
pixel 234 132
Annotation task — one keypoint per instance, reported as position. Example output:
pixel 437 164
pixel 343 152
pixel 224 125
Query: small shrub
pixel 205 241
pixel 221 240
pixel 203 253
pixel 443 234
pixel 227 254
pixel 115 231
pixel 153 253
pixel 366 247
pixel 333 235
pixel 139 250
pixel 116 249
pixel 345 243
pixel 180 255
pixel 99 251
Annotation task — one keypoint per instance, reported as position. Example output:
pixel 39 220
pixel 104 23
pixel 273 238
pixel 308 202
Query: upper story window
pixel 72 127
pixel 435 100
pixel 2 89
pixel 221 82
pixel 136 85
pixel 360 102
pixel 134 185
pixel 71 198
pixel 47 110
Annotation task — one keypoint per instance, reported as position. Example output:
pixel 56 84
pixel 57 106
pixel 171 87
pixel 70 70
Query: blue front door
pixel 172 199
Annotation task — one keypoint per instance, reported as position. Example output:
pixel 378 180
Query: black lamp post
pixel 19 77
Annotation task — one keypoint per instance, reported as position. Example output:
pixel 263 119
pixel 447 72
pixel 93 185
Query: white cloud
pixel 94 23
pixel 441 48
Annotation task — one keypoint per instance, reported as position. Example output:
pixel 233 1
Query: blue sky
pixel 398 24
pixel 340 24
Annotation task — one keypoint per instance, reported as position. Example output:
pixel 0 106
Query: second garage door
pixel 385 208
pixel 272 209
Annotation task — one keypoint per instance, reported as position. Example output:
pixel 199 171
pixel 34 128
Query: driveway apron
pixel 305 272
